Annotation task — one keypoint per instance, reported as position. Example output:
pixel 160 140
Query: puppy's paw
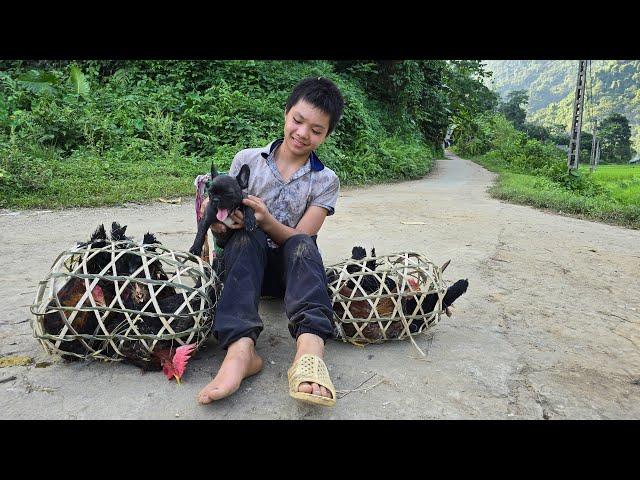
pixel 194 250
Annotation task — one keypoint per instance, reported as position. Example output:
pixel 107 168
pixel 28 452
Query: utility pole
pixel 594 146
pixel 576 120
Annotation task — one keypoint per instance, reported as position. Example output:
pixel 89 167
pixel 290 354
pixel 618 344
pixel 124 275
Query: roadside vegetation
pixel 102 132
pixel 534 172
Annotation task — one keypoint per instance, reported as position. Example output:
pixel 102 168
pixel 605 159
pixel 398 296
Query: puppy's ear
pixel 214 172
pixel 243 176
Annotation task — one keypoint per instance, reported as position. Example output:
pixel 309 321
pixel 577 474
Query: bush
pixel 96 131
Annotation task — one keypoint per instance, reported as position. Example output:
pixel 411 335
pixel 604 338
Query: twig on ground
pixel 617 316
pixel 358 389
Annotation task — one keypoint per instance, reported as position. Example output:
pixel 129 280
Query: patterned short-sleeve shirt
pixel 312 184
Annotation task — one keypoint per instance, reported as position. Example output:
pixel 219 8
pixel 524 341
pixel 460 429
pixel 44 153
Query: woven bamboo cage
pixel 86 312
pixel 407 299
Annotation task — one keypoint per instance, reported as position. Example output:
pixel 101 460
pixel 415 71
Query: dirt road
pixel 549 327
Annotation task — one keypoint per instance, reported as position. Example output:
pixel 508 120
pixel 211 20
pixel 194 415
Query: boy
pixel 291 193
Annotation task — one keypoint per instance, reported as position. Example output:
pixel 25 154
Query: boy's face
pixel 305 128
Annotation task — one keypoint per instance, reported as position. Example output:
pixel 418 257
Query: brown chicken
pixel 85 322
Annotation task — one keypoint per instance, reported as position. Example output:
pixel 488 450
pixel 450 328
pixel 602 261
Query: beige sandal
pixel 311 369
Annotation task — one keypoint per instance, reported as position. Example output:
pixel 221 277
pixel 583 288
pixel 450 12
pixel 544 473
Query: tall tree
pixel 412 91
pixel 468 96
pixel 513 108
pixel 615 133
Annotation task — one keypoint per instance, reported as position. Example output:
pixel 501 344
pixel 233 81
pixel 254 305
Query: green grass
pixel 94 182
pixel 621 181
pixel 618 205
pixel 89 180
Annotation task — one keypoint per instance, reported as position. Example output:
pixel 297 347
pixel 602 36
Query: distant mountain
pixel 612 86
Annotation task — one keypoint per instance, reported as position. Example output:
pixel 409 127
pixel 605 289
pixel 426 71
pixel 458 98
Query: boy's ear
pixel 243 176
pixel 214 172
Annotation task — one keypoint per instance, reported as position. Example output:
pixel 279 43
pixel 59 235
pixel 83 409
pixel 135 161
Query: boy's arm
pixel 310 223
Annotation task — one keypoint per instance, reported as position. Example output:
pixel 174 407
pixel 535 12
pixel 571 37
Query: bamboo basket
pixel 387 313
pixel 112 330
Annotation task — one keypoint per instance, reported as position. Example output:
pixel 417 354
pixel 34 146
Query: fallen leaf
pixel 172 200
pixel 15 361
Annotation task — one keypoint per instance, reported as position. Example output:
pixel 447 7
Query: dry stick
pixel 617 316
pixel 365 390
pixel 347 392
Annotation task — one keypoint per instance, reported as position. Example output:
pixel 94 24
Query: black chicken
pixel 137 298
pixel 372 285
pixel 368 282
pixel 430 301
pixel 150 324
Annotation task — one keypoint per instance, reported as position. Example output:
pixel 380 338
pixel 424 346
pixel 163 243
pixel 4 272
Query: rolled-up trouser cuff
pixel 253 334
pixel 322 334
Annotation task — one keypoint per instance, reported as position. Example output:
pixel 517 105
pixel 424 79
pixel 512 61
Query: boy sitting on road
pixel 291 193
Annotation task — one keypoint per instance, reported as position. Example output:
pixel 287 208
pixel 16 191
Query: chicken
pixel 133 296
pixel 368 282
pixel 85 322
pixel 372 286
pixel 136 297
pixel 431 300
pixel 152 324
pixel 172 361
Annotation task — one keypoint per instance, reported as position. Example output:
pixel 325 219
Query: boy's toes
pixel 315 389
pixel 305 388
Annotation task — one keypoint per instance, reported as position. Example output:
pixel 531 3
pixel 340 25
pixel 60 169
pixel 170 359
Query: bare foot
pixel 314 345
pixel 241 362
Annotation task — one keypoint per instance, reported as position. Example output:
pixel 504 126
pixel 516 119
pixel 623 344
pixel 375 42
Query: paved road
pixel 548 329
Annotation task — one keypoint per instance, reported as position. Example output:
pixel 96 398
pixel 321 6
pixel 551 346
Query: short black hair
pixel 323 94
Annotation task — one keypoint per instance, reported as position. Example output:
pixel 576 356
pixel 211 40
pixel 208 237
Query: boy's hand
pixel 260 208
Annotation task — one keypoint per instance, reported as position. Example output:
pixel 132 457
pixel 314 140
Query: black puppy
pixel 225 196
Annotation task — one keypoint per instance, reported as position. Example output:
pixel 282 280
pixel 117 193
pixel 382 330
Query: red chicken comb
pixel 176 367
